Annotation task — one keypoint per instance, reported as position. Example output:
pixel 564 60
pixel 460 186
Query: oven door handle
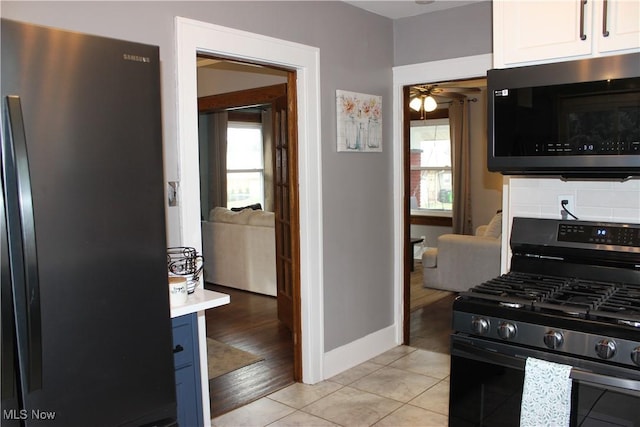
pixel 605 380
pixel 480 353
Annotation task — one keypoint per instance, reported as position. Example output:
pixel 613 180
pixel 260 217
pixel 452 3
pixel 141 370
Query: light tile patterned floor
pixel 402 387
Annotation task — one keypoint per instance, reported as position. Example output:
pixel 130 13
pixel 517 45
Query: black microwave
pixel 572 119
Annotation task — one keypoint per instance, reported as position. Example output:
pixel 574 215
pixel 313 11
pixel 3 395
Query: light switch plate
pixel 172 193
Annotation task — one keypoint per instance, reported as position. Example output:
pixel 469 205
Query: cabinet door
pixel 189 399
pixel 616 25
pixel 528 31
pixel 187 364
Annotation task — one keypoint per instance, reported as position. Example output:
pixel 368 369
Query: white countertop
pixel 200 300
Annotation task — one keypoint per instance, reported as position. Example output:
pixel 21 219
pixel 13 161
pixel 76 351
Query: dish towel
pixel 546 396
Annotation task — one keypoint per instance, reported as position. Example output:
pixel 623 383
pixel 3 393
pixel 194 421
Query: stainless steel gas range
pixel 572 296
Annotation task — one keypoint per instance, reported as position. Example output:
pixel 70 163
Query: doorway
pixel 195 37
pixel 266 176
pixel 403 77
pixel 247 145
pixel 430 175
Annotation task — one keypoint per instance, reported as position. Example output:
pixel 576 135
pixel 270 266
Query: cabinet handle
pixel 605 9
pixel 178 349
pixel 583 3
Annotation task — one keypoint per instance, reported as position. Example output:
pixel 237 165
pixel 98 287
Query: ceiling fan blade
pixel 438 88
pixel 460 89
pixel 455 95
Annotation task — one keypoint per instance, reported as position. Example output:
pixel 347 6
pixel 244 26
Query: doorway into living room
pixel 245 164
pixel 447 190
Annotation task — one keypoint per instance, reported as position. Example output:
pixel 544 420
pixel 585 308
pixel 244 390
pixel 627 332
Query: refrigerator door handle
pixel 22 245
pixel 7 325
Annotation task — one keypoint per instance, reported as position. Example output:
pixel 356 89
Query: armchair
pixel 461 261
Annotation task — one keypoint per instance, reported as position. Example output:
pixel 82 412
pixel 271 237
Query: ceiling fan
pixel 425 97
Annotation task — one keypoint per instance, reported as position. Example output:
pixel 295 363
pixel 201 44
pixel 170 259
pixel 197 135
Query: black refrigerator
pixel 86 328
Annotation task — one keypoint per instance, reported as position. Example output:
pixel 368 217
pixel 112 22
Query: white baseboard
pixel 342 358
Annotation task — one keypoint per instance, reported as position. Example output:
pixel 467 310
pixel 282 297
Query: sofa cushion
pixel 494 228
pixel 262 219
pixel 462 262
pixel 239 256
pixel 220 214
pixel 430 258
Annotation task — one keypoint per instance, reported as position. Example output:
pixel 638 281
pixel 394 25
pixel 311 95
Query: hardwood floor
pixel 250 323
pixel 430 326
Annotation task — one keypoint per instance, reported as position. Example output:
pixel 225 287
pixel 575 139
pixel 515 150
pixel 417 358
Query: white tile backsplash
pixel 594 200
pixel 626 215
pixel 612 201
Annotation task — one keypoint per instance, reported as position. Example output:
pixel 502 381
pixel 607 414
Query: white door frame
pixel 194 37
pixel 426 72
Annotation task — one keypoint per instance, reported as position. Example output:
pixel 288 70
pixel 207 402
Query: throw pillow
pixel 494 229
pixel 225 215
pixel 255 207
pixel 216 214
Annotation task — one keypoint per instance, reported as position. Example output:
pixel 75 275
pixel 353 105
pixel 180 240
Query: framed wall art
pixel 359 122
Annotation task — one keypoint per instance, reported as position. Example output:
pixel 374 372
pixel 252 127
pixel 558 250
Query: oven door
pixel 487 379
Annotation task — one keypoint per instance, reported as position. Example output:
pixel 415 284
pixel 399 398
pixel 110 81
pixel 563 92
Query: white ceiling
pixel 395 9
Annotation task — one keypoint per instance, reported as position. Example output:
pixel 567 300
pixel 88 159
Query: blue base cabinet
pixel 187 364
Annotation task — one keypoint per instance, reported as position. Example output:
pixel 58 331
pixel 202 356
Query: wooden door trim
pixel 294 216
pixel 241 99
pixel 407 255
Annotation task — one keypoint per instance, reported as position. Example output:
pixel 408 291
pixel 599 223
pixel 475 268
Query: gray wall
pixel 451 33
pixel 356 54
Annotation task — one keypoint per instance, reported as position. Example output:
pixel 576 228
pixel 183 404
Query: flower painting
pixel 359 120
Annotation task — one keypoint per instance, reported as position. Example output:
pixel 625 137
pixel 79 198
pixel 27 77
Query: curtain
pixel 217 176
pixel 461 161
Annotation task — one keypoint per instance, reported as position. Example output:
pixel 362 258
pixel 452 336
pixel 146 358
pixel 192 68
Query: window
pixel 245 164
pixel 430 176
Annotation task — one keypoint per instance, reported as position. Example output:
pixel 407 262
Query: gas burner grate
pixel 578 296
pixel 568 296
pixel 517 285
pixel 624 303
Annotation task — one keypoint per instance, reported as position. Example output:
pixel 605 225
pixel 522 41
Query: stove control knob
pixel 635 356
pixel 507 330
pixel 606 348
pixel 480 325
pixel 553 339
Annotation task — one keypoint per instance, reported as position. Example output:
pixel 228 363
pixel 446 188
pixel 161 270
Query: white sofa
pixel 239 250
pixel 461 261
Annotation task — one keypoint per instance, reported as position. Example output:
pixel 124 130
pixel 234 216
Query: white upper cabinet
pixel 532 32
pixel 616 25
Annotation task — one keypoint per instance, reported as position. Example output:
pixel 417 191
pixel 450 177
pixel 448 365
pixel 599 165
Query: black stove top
pixel 563 296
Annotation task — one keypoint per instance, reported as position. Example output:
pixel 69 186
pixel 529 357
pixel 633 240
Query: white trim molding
pixel 428 72
pixel 194 37
pixel 359 351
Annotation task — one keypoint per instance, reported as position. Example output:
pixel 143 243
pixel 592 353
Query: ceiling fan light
pixel 415 104
pixel 430 104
